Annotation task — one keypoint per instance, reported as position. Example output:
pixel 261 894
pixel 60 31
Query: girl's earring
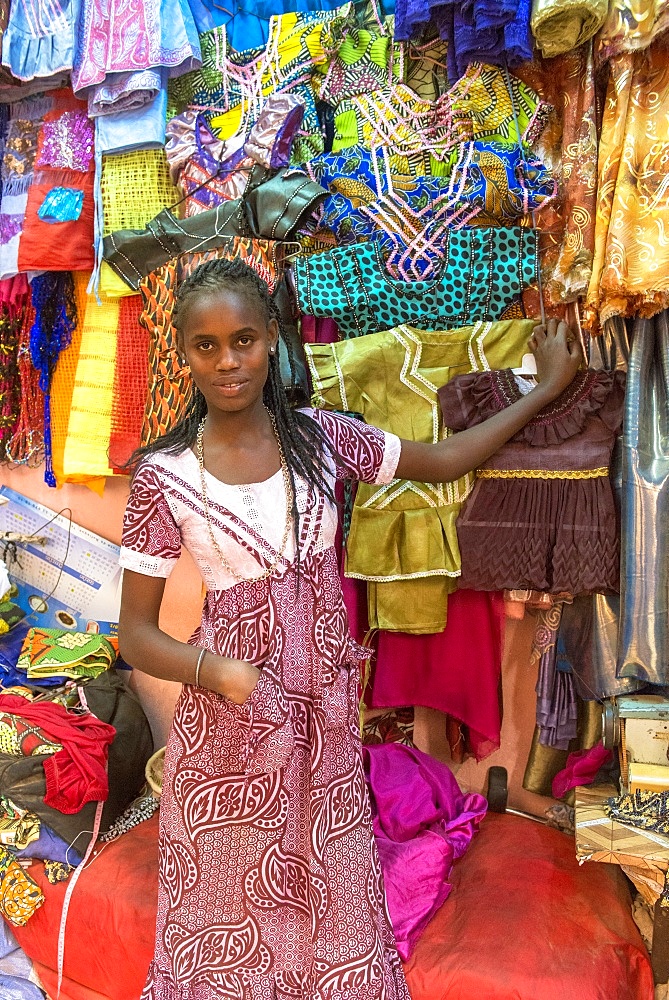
pixel 272 350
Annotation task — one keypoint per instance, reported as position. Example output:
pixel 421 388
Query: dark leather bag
pixel 22 778
pixel 272 207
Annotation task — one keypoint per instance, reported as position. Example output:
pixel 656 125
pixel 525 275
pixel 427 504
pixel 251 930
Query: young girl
pixel 270 886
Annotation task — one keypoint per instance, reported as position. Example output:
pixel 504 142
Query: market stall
pixel 418 186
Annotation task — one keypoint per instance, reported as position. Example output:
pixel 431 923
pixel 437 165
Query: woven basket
pixel 154 771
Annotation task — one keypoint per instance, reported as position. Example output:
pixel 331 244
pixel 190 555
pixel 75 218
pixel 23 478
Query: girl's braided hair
pixel 304 443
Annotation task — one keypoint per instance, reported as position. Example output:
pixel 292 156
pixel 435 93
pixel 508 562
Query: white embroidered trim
pixel 405 576
pixel 142 562
pixel 391 457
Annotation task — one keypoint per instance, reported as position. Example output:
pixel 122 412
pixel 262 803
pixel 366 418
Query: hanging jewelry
pixel 288 487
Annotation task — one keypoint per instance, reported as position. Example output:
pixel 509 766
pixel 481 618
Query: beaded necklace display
pixel 288 486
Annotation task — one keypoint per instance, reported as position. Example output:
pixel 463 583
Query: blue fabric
pixel 247 28
pixel 61 205
pixel 10 647
pixel 50 847
pixel 18 988
pixel 138 128
pixel 353 205
pixel 490 31
pixel 29 55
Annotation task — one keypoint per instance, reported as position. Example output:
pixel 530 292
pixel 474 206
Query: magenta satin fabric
pixel 423 822
pixel 582 768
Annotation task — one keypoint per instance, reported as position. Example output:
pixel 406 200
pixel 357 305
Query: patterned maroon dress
pixel 270 887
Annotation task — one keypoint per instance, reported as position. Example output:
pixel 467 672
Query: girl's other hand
pixel 234 679
pixel 558 355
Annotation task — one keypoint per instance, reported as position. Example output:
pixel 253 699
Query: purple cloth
pixel 557 710
pixel 489 31
pixel 423 822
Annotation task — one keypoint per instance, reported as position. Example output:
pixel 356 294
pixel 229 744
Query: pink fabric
pixel 77 774
pixel 422 822
pixel 456 671
pixel 318 331
pixel 14 294
pixel 582 768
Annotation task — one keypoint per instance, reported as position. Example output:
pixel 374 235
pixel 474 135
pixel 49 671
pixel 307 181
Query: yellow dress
pixel 402 538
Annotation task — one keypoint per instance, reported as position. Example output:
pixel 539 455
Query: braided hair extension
pixel 302 439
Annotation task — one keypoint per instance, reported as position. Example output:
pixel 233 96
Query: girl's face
pixel 226 340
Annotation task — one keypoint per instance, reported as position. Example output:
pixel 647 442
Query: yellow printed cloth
pixel 54 652
pixel 20 896
pixel 630 274
pixel 86 452
pixel 562 25
pixel 402 538
pixel 484 105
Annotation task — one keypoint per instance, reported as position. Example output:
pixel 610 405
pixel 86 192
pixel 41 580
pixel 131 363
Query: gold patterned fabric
pixel 631 264
pixel 20 896
pixel 631 25
pixel 402 538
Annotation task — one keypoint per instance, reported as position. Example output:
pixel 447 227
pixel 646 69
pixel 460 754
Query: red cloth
pixel 456 671
pixel 523 921
pixel 77 774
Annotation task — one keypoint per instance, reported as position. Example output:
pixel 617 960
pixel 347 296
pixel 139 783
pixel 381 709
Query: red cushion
pixel 523 921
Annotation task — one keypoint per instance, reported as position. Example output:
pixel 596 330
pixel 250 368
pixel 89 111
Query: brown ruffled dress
pixel 542 514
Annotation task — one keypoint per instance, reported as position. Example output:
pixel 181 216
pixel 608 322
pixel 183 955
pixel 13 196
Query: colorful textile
pixel 40 37
pixel 135 187
pixel 61 205
pixel 630 274
pixel 236 83
pixel 629 26
pixel 118 43
pixel 582 769
pixel 131 383
pixel 488 183
pixel 297 808
pixel 169 381
pixel 542 514
pixel 562 25
pixel 86 451
pixel 484 270
pixel 422 824
pixel 20 896
pixel 486 104
pixel 63 379
pixel 49 652
pixel 18 163
pixel 23 739
pixel 77 774
pixel 361 52
pixel 402 535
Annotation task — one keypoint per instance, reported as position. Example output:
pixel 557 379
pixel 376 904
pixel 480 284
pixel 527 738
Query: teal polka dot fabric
pixel 484 270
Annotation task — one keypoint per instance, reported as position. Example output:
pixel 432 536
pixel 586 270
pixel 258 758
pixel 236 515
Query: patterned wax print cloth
pixel 482 274
pixel 20 896
pixel 265 803
pixel 487 184
pixel 48 652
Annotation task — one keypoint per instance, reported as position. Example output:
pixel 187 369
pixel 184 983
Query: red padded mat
pixel 523 922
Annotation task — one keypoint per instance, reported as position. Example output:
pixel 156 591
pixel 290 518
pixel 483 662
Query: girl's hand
pixel 234 679
pixel 558 356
